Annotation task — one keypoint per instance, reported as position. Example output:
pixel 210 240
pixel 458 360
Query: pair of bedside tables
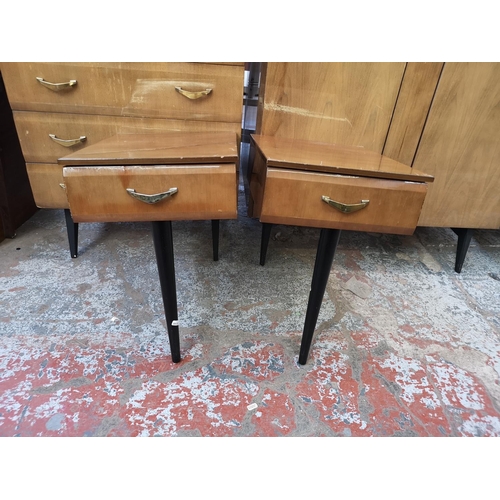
pixel 194 176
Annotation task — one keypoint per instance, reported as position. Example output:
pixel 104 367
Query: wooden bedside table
pixel 333 188
pixel 158 178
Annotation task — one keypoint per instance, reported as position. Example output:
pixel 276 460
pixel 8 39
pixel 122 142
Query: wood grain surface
pixel 412 107
pixel 294 197
pixel 460 146
pixel 338 103
pixel 320 157
pixel 165 148
pixel 128 89
pixel 34 129
pixel 45 180
pixel 98 194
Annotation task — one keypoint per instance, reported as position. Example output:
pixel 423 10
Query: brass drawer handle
pixel 151 198
pixel 345 207
pixel 56 87
pixel 193 95
pixel 67 142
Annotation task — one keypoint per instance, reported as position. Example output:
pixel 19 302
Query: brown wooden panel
pixel 165 148
pixel 460 146
pixel 337 103
pixel 257 183
pixel 34 129
pixel 293 197
pixel 129 89
pixel 46 180
pixel 98 194
pixel 414 101
pixel 320 157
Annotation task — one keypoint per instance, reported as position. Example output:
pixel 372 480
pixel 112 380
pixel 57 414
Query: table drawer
pixel 128 89
pixel 45 180
pixel 295 197
pixel 99 194
pixel 34 129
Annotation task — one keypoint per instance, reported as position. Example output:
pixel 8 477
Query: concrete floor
pixel 404 345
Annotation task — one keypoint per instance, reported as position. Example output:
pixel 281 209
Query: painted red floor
pixel 404 345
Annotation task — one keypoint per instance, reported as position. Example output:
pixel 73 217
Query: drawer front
pixel 295 197
pixel 34 129
pixel 128 89
pixel 99 194
pixel 45 180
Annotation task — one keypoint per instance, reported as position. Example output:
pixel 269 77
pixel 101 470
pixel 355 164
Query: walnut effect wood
pixel 46 180
pixel 98 194
pixel 113 98
pixel 336 103
pixel 129 89
pixel 294 197
pixel 290 177
pixel 206 180
pixel 150 149
pixel 319 157
pixel 257 183
pixel 460 146
pixel 414 101
pixel 34 128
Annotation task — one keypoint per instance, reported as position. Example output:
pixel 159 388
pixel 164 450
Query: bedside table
pixel 330 187
pixel 157 178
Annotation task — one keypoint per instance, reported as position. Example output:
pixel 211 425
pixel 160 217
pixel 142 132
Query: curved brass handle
pixel 150 199
pixel 67 142
pixel 193 95
pixel 345 207
pixel 56 87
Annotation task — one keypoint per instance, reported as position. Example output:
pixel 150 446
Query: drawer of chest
pixel 341 202
pixel 186 91
pixel 71 132
pixel 45 181
pixel 153 192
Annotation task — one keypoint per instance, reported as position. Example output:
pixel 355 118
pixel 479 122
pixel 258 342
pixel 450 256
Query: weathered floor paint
pixel 404 346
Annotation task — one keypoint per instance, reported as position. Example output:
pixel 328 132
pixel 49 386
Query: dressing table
pixel 158 178
pixel 333 188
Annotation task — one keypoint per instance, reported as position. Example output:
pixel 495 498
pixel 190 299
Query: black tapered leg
pixel 327 244
pixel 215 238
pixel 464 237
pixel 72 229
pixel 264 242
pixel 164 249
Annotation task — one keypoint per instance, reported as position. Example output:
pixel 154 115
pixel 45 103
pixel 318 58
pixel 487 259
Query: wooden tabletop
pixel 320 157
pixel 165 148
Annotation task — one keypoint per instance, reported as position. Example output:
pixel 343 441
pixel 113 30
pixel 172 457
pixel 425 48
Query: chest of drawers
pixel 60 108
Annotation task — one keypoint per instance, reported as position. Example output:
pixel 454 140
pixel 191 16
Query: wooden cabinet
pixel 440 118
pixel 60 108
pixel 460 146
pixel 335 103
